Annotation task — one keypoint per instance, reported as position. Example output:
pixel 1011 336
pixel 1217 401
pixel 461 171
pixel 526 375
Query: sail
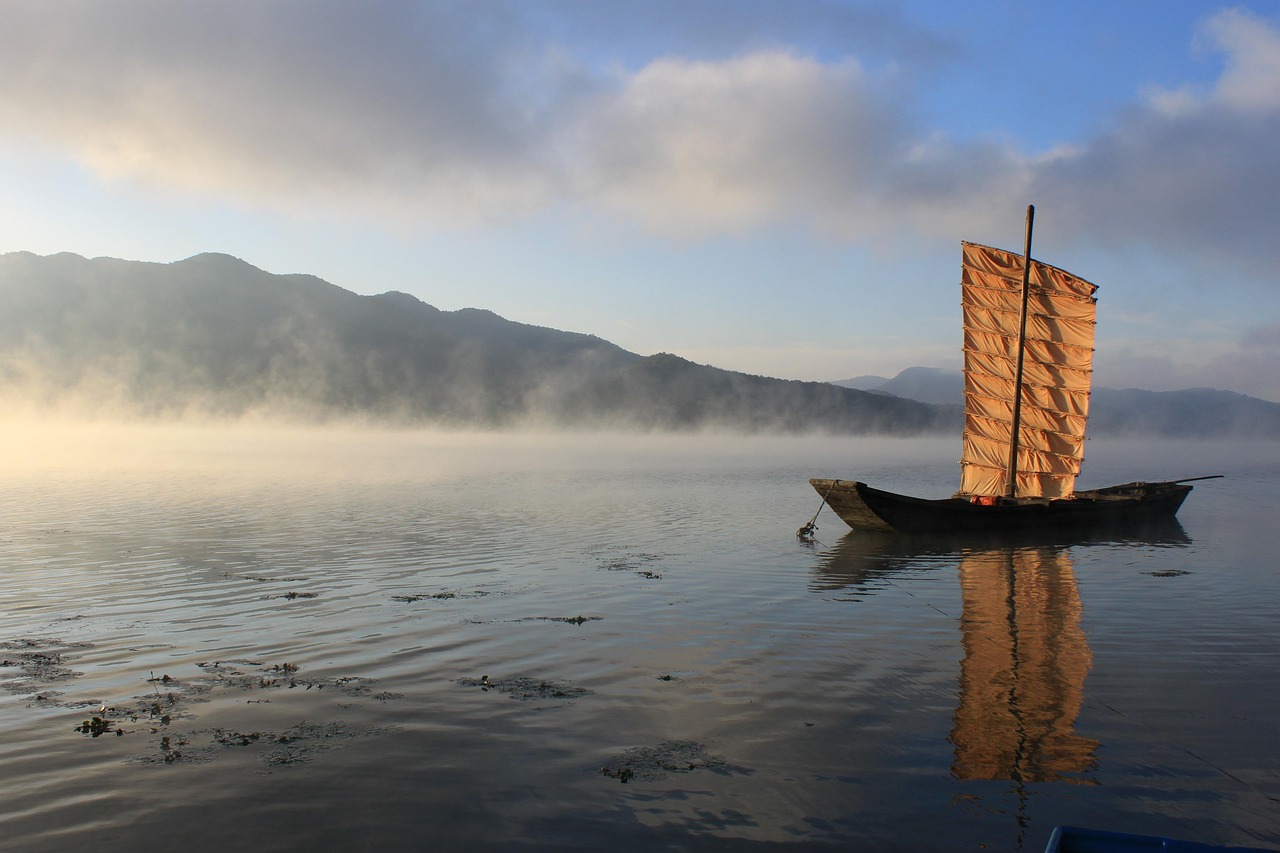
pixel 1058 363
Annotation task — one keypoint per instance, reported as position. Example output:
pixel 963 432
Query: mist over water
pixel 381 639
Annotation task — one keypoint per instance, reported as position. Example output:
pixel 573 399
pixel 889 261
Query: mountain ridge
pixel 214 335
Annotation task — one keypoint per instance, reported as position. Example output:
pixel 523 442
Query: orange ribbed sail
pixel 1057 368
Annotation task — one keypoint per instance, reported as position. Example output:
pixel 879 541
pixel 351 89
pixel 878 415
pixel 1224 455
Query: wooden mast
pixel 1011 472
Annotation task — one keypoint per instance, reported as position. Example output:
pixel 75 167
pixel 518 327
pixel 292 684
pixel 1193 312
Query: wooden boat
pixel 865 508
pixel 1028 363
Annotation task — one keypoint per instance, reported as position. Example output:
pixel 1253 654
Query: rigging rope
pixel 806 533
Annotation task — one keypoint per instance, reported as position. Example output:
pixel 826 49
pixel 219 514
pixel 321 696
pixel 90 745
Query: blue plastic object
pixel 1073 839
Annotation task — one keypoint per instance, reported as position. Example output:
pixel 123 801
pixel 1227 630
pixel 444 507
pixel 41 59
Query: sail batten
pixel 1053 397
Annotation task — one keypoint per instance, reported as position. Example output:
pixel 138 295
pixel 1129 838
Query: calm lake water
pixel 401 641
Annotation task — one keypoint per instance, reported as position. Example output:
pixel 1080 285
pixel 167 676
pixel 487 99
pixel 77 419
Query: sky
pixel 779 188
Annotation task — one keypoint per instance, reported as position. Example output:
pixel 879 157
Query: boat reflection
pixel 860 558
pixel 1026 656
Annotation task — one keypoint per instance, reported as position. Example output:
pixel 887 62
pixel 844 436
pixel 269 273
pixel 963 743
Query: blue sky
pixel 774 187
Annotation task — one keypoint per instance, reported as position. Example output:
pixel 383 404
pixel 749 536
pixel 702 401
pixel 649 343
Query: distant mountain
pixel 213 335
pixel 1191 413
pixel 862 383
pixel 928 385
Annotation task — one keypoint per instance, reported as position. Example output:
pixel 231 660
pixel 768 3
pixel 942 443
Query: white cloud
pixel 711 146
pixel 1252 48
pixel 454 112
pixel 1192 175
pixel 412 109
pixel 689 148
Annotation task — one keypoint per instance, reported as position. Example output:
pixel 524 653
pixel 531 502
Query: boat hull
pixel 865 508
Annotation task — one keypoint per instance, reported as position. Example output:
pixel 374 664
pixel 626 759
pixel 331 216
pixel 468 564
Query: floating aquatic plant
pixel 524 689
pixel 649 763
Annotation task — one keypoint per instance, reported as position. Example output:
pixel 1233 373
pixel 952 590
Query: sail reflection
pixel 1023 673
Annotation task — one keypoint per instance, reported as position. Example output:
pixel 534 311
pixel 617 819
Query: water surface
pixel 398 640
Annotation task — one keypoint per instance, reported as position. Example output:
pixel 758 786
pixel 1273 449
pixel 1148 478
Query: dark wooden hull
pixel 865 508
